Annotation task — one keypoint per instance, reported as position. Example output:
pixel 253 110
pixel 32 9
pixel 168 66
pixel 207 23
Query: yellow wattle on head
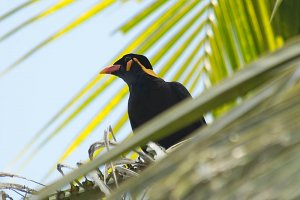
pixel 148 71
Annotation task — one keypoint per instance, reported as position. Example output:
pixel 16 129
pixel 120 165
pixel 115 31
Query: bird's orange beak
pixel 110 69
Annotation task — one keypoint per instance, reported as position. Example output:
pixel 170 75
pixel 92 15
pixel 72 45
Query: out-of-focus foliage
pixel 202 41
pixel 249 152
pixel 285 21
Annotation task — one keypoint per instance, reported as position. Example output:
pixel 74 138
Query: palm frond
pixel 17 9
pixel 81 19
pixel 284 14
pixel 56 7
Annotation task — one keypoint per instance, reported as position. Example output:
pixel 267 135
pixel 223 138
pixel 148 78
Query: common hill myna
pixel 150 95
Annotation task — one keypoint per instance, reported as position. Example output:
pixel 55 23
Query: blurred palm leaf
pixel 63 3
pixel 213 38
pixel 16 9
pixel 45 13
pixel 219 162
pixel 282 18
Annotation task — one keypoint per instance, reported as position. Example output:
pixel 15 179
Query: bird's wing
pixel 181 92
pixel 133 121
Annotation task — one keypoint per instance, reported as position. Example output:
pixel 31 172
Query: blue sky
pixel 36 89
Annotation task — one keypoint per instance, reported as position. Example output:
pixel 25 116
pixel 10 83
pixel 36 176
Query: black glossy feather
pixel 152 96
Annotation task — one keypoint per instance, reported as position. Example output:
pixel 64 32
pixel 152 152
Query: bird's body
pixel 151 95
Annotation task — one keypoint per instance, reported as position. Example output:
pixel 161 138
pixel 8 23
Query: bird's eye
pixel 127 58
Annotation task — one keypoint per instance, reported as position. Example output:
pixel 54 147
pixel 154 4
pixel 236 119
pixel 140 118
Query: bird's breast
pixel 147 102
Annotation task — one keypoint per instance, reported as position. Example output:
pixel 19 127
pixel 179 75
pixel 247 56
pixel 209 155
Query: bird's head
pixel 130 67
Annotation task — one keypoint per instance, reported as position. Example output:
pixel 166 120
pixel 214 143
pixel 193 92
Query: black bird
pixel 149 94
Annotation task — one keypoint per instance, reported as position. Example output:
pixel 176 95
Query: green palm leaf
pixel 17 9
